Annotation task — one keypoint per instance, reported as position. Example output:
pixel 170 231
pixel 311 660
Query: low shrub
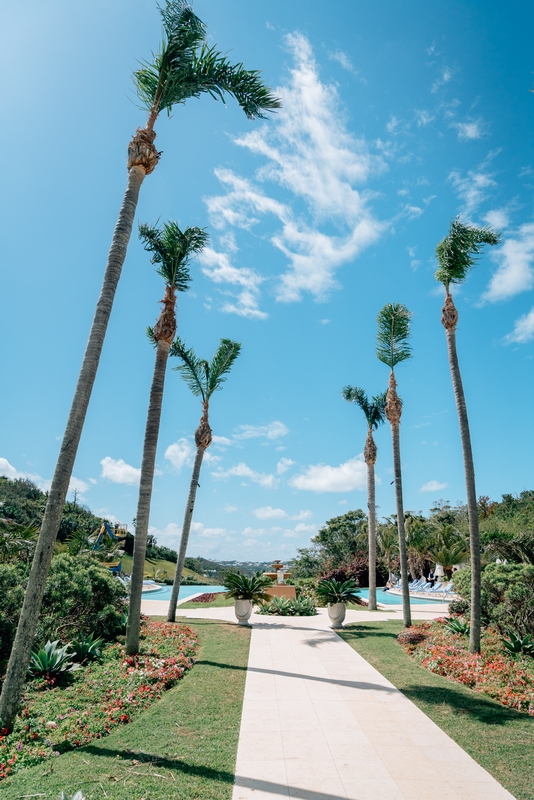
pixel 459 607
pixel 506 678
pixel 288 607
pixel 100 696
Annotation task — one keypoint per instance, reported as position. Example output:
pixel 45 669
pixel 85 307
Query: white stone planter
pixel 336 612
pixel 243 610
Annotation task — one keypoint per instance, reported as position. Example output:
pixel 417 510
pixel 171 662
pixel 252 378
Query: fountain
pixel 280 587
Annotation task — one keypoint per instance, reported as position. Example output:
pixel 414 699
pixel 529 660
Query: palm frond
pixel 393 333
pixel 221 364
pixel 192 369
pixel 173 249
pixel 458 251
pixel 187 67
pixel 373 410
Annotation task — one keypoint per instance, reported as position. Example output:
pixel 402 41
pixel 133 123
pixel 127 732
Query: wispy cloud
pixel 498 218
pixel 274 430
pixel 473 129
pixel 244 302
pixel 423 117
pixel 350 476
pixel 268 512
pixel 433 486
pixel 515 273
pixel 180 454
pixel 523 329
pixel 343 60
pixel 473 188
pixel 309 152
pixel 9 471
pixel 242 470
pixel 444 78
pixel 118 471
pixel 283 465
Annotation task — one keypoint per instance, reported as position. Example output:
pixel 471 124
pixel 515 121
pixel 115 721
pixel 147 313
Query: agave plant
pixel 516 645
pixel 86 648
pixel 455 625
pixel 331 591
pixel 244 587
pixel 51 660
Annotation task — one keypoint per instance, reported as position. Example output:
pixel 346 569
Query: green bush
pixel 81 597
pixel 288 607
pixel 507 596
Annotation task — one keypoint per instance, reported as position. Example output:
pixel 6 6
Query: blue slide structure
pixel 117 533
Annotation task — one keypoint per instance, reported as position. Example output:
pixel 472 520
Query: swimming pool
pixel 164 593
pixel 395 599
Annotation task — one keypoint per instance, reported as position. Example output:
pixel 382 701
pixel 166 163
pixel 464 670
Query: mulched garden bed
pixel 505 678
pixel 97 698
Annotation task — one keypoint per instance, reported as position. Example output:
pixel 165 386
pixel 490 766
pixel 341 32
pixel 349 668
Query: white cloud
pixel 230 509
pixel 242 470
pixel 283 465
pixel 433 486
pixel 211 458
pixel 221 441
pixel 180 453
pixel 255 532
pixel 218 268
pixel 343 60
pixel 423 118
pixel 93 480
pixel 469 130
pixel 118 471
pixel 444 78
pixel 274 430
pixel 523 329
pixel 304 514
pixel 497 218
pixel 473 188
pixel 200 530
pixel 350 476
pixel 393 124
pixel 311 154
pixel 9 471
pixel 515 273
pixel 268 512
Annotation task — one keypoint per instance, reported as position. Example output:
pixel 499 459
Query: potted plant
pixel 246 591
pixel 336 594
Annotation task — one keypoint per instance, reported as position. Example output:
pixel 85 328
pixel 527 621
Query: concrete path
pixel 320 723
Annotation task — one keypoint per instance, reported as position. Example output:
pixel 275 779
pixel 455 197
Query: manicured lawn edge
pixel 499 739
pixel 184 746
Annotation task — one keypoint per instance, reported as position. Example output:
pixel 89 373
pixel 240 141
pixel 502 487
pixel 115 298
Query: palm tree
pixel 184 67
pixel 203 378
pixel 393 348
pixel 448 548
pixel 456 255
pixel 374 414
pixel 172 250
pixel 388 545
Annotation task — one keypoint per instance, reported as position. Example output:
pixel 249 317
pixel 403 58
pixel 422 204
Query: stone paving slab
pixel 320 723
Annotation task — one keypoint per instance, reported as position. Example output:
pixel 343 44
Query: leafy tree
pixel 17 542
pixel 342 537
pixel 185 67
pixel 374 415
pixel 203 378
pixel 171 251
pixel 448 548
pixel 456 255
pixel 388 545
pixel 392 349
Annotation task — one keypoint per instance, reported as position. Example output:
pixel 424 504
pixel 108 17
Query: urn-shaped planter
pixel 336 612
pixel 243 610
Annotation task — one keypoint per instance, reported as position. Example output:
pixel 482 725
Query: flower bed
pixel 98 698
pixel 507 679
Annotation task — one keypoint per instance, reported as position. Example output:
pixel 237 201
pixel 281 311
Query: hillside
pixel 161 570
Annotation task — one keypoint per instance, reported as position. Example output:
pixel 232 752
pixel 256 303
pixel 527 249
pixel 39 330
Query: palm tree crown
pixel 373 410
pixel 393 333
pixel 172 250
pixel 458 251
pixel 187 67
pixel 205 377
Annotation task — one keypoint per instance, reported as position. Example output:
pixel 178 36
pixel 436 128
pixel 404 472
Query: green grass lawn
pixel 499 739
pixel 168 566
pixel 184 746
pixel 220 602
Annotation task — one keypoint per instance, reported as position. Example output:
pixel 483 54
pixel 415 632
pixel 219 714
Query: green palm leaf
pixel 393 334
pixel 187 67
pixel 374 410
pixel 172 249
pixel 457 252
pixel 203 377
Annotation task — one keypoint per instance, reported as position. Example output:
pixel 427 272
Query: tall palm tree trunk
pixel 369 453
pixel 24 638
pixel 393 413
pixel 449 320
pixel 186 529
pixel 145 494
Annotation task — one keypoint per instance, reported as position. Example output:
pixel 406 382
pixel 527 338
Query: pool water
pixel 395 599
pixel 185 591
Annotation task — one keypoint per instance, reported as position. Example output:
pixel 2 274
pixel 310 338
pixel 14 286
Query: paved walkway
pixel 320 723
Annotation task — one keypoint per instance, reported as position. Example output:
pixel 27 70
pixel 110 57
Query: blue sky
pixel 396 118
